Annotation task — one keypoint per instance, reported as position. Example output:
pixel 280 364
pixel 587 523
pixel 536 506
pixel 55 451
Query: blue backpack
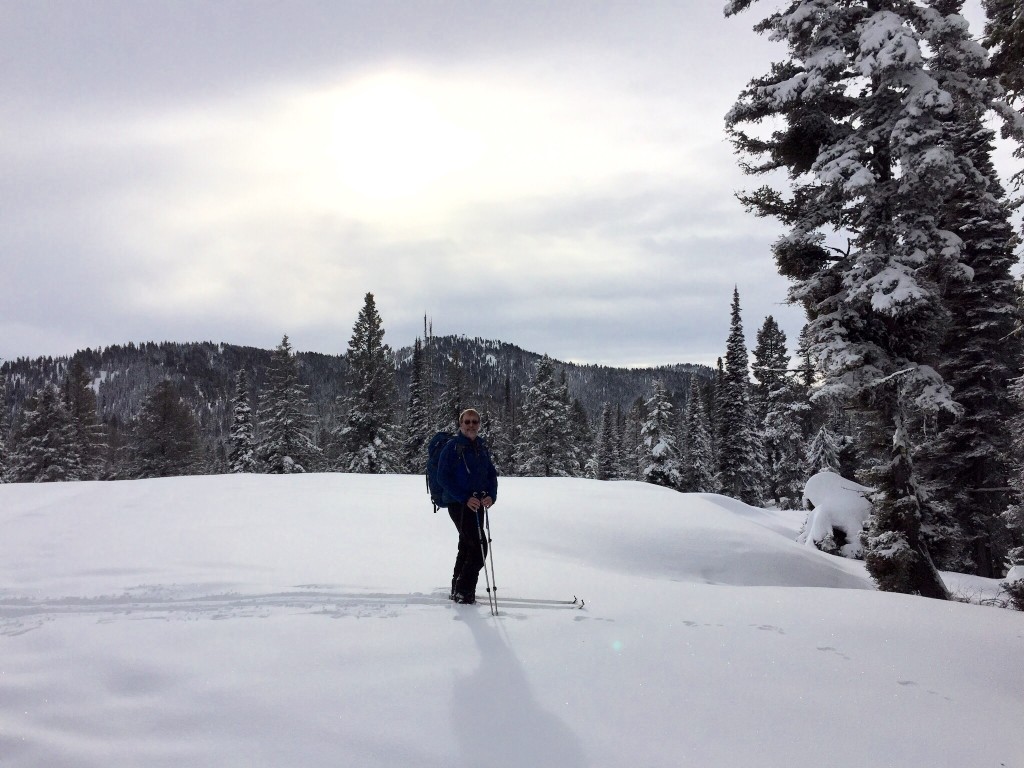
pixel 434 448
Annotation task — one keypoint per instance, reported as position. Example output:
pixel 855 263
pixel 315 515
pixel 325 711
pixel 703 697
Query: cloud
pixel 570 193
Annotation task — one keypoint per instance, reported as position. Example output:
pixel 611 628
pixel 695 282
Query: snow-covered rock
pixel 837 509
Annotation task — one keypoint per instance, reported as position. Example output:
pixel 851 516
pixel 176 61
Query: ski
pixel 540 602
pixel 574 603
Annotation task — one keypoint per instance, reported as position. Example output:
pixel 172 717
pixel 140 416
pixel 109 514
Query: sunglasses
pixel 470 422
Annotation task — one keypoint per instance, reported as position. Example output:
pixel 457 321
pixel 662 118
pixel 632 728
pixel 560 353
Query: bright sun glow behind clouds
pixel 398 148
pixel 391 138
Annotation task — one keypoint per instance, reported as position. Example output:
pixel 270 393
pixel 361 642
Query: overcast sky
pixel 551 174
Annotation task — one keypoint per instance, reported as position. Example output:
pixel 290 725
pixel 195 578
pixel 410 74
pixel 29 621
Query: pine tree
pixel 660 460
pixel 543 448
pixel 286 431
pixel 80 400
pixel 867 144
pixel 580 438
pixel 166 436
pixel 500 432
pixel 979 353
pixel 699 467
pixel 784 444
pixel 740 466
pixel 781 409
pixel 45 445
pixel 242 452
pixel 823 452
pixel 368 441
pixel 631 447
pixel 771 360
pixel 417 420
pixel 606 450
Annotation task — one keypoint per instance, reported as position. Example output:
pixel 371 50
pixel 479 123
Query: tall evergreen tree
pixel 866 139
pixel 499 432
pixel 368 439
pixel 771 359
pixel 699 467
pixel 165 442
pixel 80 400
pixel 242 441
pixel 45 446
pixel 286 432
pixel 631 449
pixel 660 461
pixel 417 420
pixel 740 464
pixel 979 353
pixel 581 440
pixel 781 406
pixel 543 448
pixel 606 448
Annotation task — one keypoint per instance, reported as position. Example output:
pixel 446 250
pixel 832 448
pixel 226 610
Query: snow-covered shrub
pixel 837 509
pixel 1013 584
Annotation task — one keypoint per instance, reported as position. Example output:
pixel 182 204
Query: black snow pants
pixel 470 558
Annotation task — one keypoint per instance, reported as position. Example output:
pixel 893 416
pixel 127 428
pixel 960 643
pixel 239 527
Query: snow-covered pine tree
pixel 967 463
pixel 822 453
pixel 771 362
pixel 573 468
pixel 580 439
pixel 740 452
pixel 868 151
pixel 286 432
pixel 606 446
pixel 631 447
pixel 699 467
pixel 80 400
pixel 242 440
pixel 45 447
pixel 781 405
pixel 500 433
pixel 417 417
pixel 165 442
pixel 368 440
pixel 543 445
pixel 660 459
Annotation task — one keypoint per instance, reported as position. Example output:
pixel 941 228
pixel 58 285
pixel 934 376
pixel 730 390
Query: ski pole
pixel 490 551
pixel 491 602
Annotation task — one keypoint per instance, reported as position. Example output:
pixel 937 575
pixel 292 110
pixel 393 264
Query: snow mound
pixel 838 509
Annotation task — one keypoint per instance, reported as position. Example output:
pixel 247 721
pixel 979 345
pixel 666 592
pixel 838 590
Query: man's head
pixel 469 423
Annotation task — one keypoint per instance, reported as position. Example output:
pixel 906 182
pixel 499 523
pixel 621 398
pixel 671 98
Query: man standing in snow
pixel 470 484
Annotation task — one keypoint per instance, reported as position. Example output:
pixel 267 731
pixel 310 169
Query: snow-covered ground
pixel 299 622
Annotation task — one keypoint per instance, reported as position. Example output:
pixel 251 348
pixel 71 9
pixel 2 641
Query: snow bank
pixel 838 509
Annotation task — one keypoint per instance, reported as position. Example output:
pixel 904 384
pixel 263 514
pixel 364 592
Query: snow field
pixel 286 621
